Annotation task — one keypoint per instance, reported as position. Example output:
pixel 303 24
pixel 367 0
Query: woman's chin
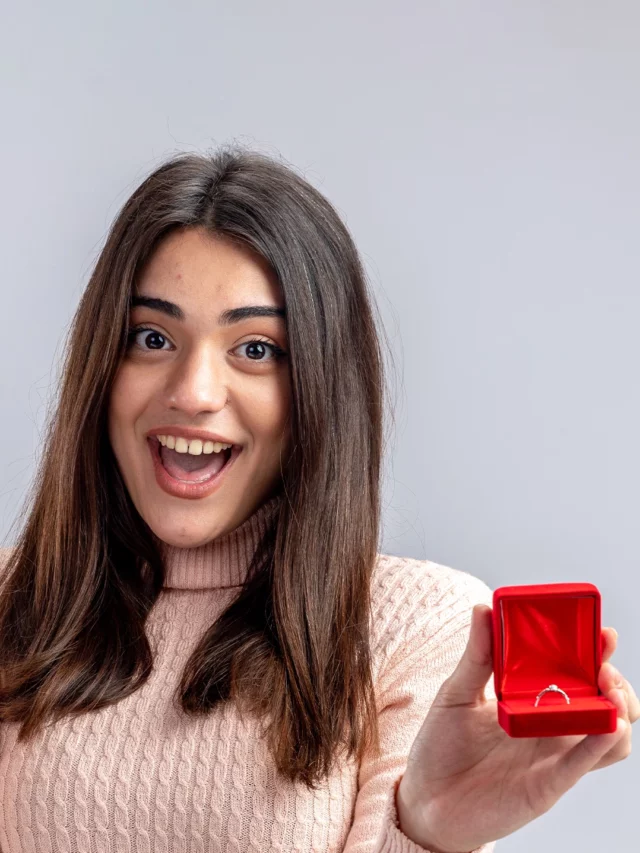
pixel 185 533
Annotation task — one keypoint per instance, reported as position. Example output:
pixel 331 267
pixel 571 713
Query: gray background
pixel 485 158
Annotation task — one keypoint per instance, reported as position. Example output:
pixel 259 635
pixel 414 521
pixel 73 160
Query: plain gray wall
pixel 485 158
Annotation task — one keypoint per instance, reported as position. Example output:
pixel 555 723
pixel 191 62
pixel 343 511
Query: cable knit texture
pixel 142 777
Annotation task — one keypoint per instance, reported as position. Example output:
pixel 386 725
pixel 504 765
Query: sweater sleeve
pixel 433 618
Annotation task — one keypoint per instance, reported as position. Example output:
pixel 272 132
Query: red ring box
pixel 549 634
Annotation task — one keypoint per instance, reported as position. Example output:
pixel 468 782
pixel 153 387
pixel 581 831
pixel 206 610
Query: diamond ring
pixel 555 689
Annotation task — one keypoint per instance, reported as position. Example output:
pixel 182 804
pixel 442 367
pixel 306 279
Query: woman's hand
pixel 468 782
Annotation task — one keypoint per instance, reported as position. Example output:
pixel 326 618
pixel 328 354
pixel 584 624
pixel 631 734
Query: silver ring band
pixel 554 689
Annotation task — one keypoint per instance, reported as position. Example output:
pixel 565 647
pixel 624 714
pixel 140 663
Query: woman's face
pixel 197 372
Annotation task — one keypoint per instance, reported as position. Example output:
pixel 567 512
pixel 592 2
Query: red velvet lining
pixel 548 640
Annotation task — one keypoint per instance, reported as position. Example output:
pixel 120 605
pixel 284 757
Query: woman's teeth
pixel 194 447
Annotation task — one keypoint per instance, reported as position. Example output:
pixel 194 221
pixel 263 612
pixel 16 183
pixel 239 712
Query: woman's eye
pixel 258 348
pixel 133 334
pixel 256 344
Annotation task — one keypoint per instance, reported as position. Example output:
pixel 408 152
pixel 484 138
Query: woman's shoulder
pixel 408 580
pixel 421 601
pixel 5 553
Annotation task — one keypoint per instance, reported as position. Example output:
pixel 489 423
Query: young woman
pixel 202 649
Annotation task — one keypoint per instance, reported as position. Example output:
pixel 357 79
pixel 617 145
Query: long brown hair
pixel 294 646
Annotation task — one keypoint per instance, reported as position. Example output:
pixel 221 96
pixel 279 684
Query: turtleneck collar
pixel 224 561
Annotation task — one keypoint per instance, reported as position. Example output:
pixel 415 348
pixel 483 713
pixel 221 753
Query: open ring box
pixel 547 634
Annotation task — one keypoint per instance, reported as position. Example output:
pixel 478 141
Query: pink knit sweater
pixel 141 777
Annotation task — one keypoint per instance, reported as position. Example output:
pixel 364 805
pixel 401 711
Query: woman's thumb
pixel 465 685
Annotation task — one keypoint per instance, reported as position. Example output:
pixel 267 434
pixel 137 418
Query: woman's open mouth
pixel 174 474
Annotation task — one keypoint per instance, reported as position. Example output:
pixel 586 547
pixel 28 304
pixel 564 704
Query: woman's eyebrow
pixel 227 318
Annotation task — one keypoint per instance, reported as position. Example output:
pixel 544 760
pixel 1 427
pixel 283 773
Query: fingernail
pixel 617 678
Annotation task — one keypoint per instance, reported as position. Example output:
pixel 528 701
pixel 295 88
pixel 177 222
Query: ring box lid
pixel 546 634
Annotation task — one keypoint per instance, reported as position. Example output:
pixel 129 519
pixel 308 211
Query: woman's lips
pixel 182 488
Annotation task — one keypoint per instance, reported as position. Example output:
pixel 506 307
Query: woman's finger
pixel 608 678
pixel 632 701
pixel 619 699
pixel 609 643
pixel 584 757
pixel 622 748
